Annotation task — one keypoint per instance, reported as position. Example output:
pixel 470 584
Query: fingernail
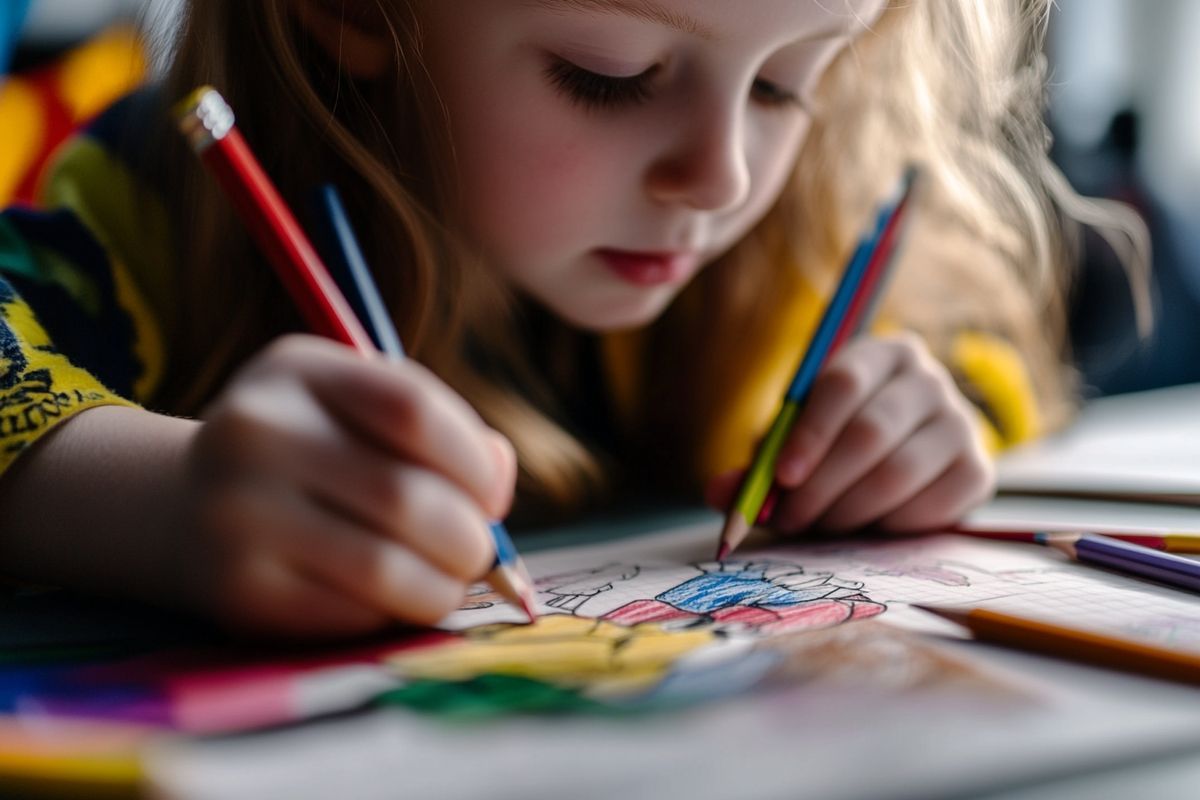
pixel 790 472
pixel 505 461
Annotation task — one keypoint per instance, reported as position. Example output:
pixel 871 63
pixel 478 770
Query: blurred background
pixel 1124 110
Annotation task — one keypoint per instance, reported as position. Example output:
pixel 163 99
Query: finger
pixel 853 375
pixel 405 410
pixel 886 420
pixel 897 478
pixel 506 457
pixel 265 596
pixel 430 516
pixel 379 574
pixel 397 501
pixel 969 482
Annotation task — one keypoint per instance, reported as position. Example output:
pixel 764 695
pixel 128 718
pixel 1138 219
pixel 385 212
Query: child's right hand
pixel 333 493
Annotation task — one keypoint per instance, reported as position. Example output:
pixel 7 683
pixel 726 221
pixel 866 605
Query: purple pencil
pixel 1091 548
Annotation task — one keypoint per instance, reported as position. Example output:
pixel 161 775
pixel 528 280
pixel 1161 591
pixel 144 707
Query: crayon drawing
pixel 753 597
pixel 570 591
pixel 747 597
pixel 607 657
pixel 624 631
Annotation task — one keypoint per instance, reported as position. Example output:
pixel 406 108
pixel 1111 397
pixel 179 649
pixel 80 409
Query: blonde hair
pixel 958 88
pixel 953 85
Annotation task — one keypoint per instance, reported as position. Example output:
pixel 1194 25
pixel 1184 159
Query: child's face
pixel 609 149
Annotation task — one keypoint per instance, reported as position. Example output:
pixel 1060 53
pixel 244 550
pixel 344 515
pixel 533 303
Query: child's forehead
pixel 708 18
pixel 715 20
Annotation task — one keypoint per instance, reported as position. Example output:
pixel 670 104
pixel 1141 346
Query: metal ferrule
pixel 207 119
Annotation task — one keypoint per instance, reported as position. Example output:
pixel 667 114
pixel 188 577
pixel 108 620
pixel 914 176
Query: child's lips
pixel 650 268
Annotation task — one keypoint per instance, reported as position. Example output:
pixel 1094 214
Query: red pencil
pixel 207 121
pixel 1184 542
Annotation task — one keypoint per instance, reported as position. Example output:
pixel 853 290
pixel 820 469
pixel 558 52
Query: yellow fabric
pixel 95 74
pixel 100 190
pixel 752 405
pixel 21 134
pixel 621 360
pixel 994 368
pixel 43 392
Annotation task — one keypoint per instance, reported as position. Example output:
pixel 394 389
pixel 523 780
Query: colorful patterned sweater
pixel 85 278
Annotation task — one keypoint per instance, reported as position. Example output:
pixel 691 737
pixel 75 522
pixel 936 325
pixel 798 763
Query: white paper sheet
pixel 1144 445
pixel 833 742
pixel 778 588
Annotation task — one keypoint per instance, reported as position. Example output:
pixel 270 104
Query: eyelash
pixel 594 90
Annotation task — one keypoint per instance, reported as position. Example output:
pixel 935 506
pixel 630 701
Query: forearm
pixel 98 504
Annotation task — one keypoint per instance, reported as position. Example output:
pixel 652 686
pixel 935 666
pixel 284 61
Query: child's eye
pixel 772 94
pixel 600 91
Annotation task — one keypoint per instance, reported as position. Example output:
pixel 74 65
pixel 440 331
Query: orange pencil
pixel 1074 644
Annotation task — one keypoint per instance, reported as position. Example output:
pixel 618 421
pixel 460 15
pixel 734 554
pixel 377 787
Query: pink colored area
pixel 225 689
pixel 766 619
pixel 242 697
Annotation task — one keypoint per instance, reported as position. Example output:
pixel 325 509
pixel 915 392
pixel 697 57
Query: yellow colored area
pixel 998 373
pixel 558 648
pixel 70 758
pixel 100 71
pixel 121 769
pixel 21 134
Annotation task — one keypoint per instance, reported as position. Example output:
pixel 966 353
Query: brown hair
pixel 955 86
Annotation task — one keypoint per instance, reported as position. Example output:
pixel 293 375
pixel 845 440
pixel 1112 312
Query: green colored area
pixel 490 695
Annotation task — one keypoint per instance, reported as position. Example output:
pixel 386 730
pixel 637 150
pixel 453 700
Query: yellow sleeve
pixel 994 377
pixel 39 387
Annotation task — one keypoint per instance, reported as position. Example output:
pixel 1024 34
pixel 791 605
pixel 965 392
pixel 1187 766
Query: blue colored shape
pixel 12 14
pixel 716 590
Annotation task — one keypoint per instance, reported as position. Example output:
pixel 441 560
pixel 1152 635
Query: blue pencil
pixel 757 484
pixel 508 576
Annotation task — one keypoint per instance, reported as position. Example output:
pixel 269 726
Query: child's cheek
pixel 537 183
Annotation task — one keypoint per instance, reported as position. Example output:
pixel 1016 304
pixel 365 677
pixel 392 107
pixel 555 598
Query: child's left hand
pixel 885 439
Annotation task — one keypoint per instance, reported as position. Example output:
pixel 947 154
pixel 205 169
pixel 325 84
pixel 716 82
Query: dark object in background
pixel 1104 336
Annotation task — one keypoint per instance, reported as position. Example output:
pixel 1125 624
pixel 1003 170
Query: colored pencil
pixel 1167 542
pixel 508 575
pixel 848 311
pixel 208 122
pixel 1074 644
pixel 1103 551
pixel 354 276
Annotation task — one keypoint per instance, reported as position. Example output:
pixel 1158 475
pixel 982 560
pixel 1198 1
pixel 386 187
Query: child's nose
pixel 704 165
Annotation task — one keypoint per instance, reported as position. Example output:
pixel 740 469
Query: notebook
pixel 1143 446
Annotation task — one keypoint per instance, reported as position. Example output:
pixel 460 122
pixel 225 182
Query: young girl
pixel 605 229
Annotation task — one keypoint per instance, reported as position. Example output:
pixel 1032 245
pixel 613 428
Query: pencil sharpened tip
pixel 528 607
pixel 732 534
pixel 953 614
